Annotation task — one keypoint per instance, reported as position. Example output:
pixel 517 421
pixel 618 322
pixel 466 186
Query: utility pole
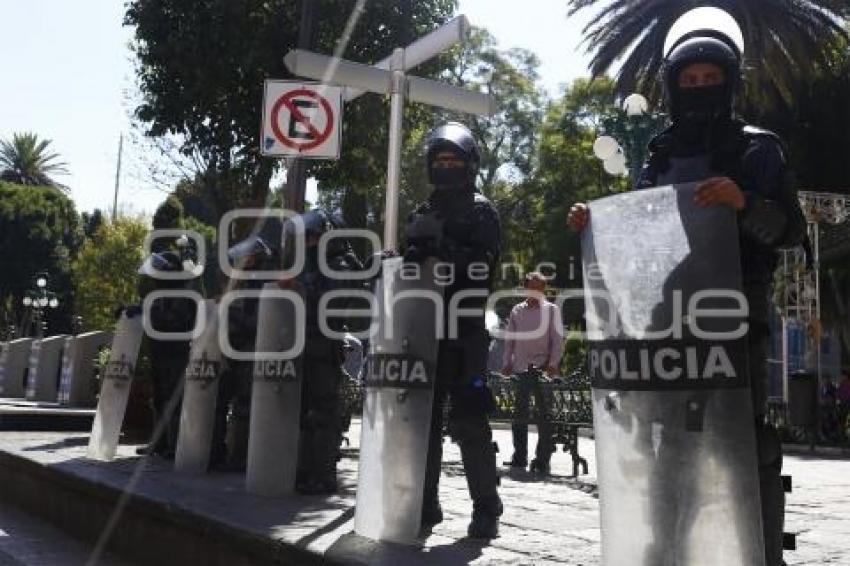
pixel 117 178
pixel 296 168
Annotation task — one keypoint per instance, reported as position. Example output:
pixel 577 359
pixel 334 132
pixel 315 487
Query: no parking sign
pixel 301 120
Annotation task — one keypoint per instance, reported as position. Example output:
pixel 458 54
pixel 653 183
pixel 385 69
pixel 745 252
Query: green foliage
pixel 39 231
pixel 534 212
pixel 91 222
pixel 105 271
pixel 575 352
pixel 169 214
pixel 783 38
pixel 201 66
pixel 26 160
pixel 508 139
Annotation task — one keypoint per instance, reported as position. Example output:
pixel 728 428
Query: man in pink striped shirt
pixel 533 342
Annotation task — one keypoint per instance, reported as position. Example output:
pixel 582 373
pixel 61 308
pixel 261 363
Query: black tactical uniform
pixel 168 357
pixel 459 226
pixel 705 140
pixel 234 393
pixel 323 419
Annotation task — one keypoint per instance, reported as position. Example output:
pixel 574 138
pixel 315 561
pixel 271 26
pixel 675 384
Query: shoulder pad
pixel 751 132
pixel 754 133
pixel 481 199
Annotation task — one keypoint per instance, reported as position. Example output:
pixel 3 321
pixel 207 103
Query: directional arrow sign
pixel 423 49
pixel 389 77
pixel 336 71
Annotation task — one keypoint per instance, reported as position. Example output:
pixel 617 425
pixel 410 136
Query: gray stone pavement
pixel 29 541
pixel 546 522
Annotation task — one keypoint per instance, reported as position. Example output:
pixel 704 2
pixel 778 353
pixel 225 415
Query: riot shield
pixel 200 393
pixel 78 356
pixel 43 377
pixel 672 413
pixel 275 398
pixel 396 422
pixel 115 388
pixel 14 360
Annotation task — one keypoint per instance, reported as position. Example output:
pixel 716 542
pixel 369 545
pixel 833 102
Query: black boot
pixel 540 467
pixel 516 461
pixel 484 525
pixel 432 513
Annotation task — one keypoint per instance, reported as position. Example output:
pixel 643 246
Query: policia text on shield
pixel 716 163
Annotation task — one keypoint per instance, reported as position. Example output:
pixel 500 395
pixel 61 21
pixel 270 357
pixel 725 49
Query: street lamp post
pixel 624 134
pixel 38 300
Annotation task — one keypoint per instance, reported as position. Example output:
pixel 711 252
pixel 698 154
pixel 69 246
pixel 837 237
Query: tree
pixel 105 271
pixel 534 213
pixel 39 231
pixel 817 127
pixel 91 222
pixel 201 66
pixel 26 160
pixel 508 139
pixel 783 37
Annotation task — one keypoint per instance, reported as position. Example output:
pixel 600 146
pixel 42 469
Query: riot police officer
pixel 229 451
pixel 742 167
pixel 460 227
pixel 168 357
pixel 323 418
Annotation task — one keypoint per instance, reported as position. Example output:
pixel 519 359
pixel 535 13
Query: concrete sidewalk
pixel 172 518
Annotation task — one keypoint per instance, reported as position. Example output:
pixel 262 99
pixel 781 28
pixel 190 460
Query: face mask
pixel 702 104
pixel 449 177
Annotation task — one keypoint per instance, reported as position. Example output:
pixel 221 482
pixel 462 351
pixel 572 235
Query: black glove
pixel 131 311
pixel 417 253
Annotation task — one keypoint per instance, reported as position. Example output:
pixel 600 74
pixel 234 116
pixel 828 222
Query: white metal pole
pixel 785 360
pixel 397 92
pixel 117 178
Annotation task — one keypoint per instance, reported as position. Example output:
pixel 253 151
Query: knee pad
pixel 470 429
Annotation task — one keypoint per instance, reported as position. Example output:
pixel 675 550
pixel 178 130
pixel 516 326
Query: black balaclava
pixel 456 138
pixel 701 114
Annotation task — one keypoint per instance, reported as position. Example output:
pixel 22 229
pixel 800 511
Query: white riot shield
pixel 45 361
pixel 78 357
pixel 14 361
pixel 673 419
pixel 396 421
pixel 200 393
pixel 115 388
pixel 275 395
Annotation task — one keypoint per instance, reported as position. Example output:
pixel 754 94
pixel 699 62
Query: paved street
pixel 546 522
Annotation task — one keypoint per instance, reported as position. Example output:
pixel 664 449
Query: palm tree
pixel 783 38
pixel 27 161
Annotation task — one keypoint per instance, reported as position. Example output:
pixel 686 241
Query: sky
pixel 68 72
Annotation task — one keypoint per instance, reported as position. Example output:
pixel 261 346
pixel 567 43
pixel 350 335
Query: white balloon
pixel 635 105
pixel 604 147
pixel 704 18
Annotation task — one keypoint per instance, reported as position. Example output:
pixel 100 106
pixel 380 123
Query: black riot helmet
pixel 456 138
pixel 703 35
pixel 311 223
pixel 251 253
pixel 162 261
pixel 168 262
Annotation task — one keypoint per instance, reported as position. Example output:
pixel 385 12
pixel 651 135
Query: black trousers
pixel 234 393
pixel 167 366
pixel 461 375
pixel 768 444
pixel 321 417
pixel 528 385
